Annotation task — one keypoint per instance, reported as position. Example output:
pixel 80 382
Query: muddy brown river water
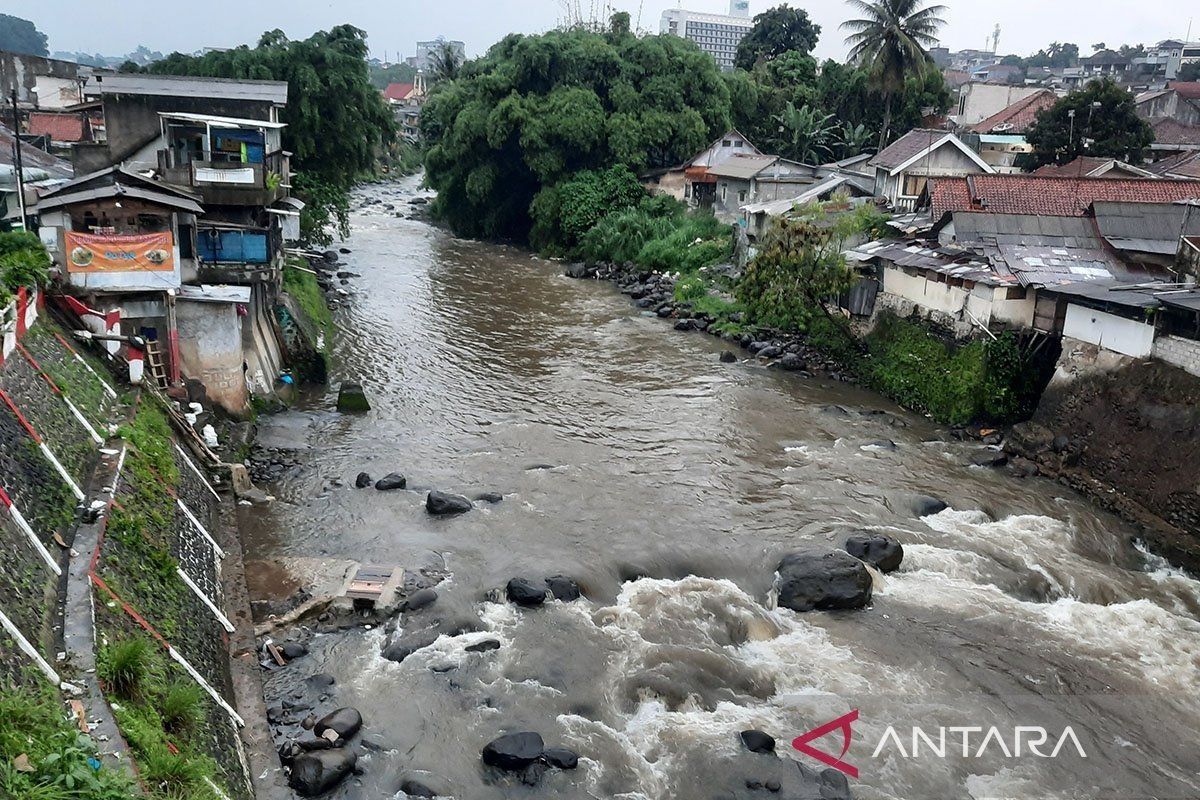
pixel 669 485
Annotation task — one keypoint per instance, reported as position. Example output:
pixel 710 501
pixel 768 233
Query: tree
pixel 891 40
pixel 1099 120
pixel 1099 47
pixel 808 135
pixel 382 77
pixel 445 63
pixel 21 36
pixel 536 110
pixel 1189 72
pixel 777 31
pixel 1057 54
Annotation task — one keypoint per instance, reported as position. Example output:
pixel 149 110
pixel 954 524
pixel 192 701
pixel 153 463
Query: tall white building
pixel 716 34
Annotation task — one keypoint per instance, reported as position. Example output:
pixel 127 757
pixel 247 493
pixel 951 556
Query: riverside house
pixel 904 167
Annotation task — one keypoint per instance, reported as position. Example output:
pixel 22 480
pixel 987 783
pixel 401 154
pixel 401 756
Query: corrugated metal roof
pixel 275 92
pixel 954 262
pixel 1146 227
pixel 118 190
pixel 743 167
pixel 223 122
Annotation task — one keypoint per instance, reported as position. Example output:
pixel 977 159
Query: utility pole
pixel 17 158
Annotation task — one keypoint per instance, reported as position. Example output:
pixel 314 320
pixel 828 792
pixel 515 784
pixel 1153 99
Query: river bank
pixel 669 485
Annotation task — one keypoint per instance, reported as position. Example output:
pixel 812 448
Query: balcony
pixel 227 161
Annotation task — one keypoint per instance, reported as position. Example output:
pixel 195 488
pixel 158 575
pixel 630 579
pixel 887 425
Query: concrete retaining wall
pixel 1179 352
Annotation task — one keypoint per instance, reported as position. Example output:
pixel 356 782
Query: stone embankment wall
pixel 1127 432
pixel 154 567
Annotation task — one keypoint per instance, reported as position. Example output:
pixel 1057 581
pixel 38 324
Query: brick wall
pixel 1179 352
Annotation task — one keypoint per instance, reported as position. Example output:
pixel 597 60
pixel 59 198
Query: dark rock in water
pixel 533 774
pixel 321 680
pixel 525 593
pixel 577 271
pixel 925 506
pixel 563 588
pixel 989 458
pixel 489 497
pixel 419 201
pixel 685 325
pixel 417 789
pixel 758 742
pixel 665 311
pixel 310 745
pixel 728 357
pixel 792 363
pixel 352 399
pixel 330 256
pixel 882 552
pixel 345 721
pixel 409 643
pixel 444 504
pixel 362 481
pixel 1024 468
pixel 772 785
pixel 514 751
pixel 308 723
pixel 880 444
pixel 835 411
pixel 823 580
pixel 770 351
pixel 318 772
pixel 344 251
pixel 391 482
pixel 293 650
pixel 539 467
pixel 560 757
pixel 834 785
pixel 483 647
pixel 420 599
pixel 757 347
pixel 1061 444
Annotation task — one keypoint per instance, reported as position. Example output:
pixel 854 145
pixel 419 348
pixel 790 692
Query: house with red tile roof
pixel 1172 136
pixel 1094 167
pixel 399 92
pixel 1017 118
pixel 1049 196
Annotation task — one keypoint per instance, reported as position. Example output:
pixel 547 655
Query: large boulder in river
pixel 319 771
pixel 563 588
pixel 345 722
pixel 391 482
pixel 577 270
pixel 514 751
pixel 758 741
pixel 924 506
pixel 882 552
pixel 525 593
pixel 823 580
pixel 363 480
pixel 560 757
pixel 442 504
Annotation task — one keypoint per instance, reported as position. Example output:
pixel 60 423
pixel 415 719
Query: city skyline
pixel 395 29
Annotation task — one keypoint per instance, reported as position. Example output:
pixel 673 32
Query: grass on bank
pixel 302 286
pixel 59 762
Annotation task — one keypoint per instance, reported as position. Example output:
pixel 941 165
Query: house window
pixel 727 143
pixel 914 185
pixel 742 196
pixel 737 144
pixel 724 191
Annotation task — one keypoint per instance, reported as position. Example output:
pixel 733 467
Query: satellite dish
pixel 1003 126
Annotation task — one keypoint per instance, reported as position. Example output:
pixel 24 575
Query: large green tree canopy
pixel 777 31
pixel 21 36
pixel 1105 124
pixel 538 109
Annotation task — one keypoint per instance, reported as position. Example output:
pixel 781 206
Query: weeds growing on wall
pixel 44 757
pixel 303 288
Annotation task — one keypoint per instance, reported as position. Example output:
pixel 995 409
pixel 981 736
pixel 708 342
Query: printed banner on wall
pixel 144 252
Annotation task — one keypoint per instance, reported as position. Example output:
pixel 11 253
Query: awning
pixel 221 122
pixel 207 293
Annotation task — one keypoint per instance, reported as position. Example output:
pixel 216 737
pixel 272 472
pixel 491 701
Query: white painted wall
pixel 978 101
pixel 1125 336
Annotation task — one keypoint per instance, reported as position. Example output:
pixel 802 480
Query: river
pixel 669 485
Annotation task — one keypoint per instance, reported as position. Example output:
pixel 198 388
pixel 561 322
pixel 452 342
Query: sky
pixel 393 26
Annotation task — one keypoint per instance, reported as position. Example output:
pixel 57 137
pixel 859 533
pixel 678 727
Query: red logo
pixel 842 723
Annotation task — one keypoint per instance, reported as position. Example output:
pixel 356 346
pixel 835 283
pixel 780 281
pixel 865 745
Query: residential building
pixel 967 60
pixel 841 182
pixel 1094 167
pixel 1161 63
pixel 716 34
pixel 903 168
pixel 1185 165
pixel 406 100
pixel 40 170
pixel 978 101
pixel 423 60
pixel 750 178
pixel 1172 137
pixel 192 185
pixel 1032 194
pixel 1106 64
pixel 691 182
pixel 1177 101
pixel 998 73
pixel 1017 117
pixel 42 83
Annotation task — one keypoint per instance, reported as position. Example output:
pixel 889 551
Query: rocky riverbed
pixel 757 551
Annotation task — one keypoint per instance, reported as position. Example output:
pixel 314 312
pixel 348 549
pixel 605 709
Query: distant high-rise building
pixel 716 34
pixel 426 50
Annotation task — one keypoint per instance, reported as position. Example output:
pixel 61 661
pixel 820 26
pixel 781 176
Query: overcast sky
pixel 394 25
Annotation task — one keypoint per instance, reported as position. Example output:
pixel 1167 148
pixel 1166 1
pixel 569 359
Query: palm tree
pixel 445 63
pixel 891 40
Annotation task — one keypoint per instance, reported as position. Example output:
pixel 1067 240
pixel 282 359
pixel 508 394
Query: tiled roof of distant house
pixel 1061 197
pixel 1017 118
pixel 1189 90
pixel 1171 132
pixel 398 91
pixel 1183 165
pixel 1106 57
pixel 32 158
pixel 1092 167
pixel 59 127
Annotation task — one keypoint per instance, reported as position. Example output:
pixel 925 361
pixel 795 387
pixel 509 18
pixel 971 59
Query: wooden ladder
pixel 154 364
